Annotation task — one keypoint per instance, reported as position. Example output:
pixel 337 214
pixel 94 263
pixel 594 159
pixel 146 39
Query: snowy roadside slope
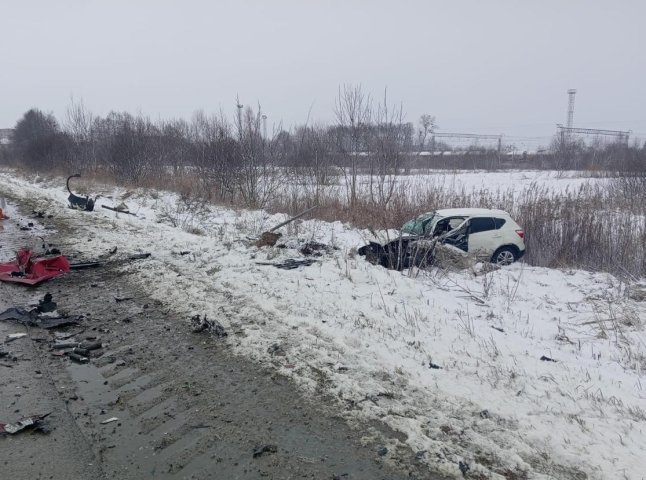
pixel 368 336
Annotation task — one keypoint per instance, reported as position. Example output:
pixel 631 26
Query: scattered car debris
pixel 28 271
pixel 95 264
pixel 14 336
pixel 109 420
pixel 501 330
pixel 85 265
pixel 118 209
pixel 75 357
pixel 76 201
pixel 290 263
pixel 637 292
pixel 262 449
pixel 382 451
pixel 485 414
pixel 268 239
pixel 35 423
pixel 434 366
pixel 91 346
pixel 464 467
pixel 315 249
pixel 547 359
pixel 202 323
pixel 46 305
pixel 33 318
pixel 276 349
pixel 65 345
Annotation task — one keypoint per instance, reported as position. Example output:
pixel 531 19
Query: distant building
pixel 5 136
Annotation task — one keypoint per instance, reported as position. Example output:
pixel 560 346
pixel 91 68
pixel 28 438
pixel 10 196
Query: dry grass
pixel 595 228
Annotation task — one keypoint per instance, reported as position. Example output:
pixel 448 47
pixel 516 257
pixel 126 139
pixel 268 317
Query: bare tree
pixel 259 177
pixel 353 112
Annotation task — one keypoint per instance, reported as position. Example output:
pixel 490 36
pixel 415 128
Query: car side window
pixel 481 224
pixel 447 225
pixel 499 222
pixel 455 222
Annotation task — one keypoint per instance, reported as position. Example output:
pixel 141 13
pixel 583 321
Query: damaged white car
pixel 489 235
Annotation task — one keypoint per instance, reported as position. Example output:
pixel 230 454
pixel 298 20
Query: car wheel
pixel 504 256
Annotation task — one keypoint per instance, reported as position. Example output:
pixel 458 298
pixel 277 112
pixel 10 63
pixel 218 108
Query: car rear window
pixel 499 222
pixel 481 224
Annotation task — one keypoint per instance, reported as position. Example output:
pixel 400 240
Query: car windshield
pixel 416 226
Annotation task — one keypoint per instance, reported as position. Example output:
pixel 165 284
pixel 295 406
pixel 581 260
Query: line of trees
pixel 237 161
pixel 233 160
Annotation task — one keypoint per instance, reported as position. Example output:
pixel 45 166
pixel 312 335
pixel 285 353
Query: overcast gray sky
pixel 496 66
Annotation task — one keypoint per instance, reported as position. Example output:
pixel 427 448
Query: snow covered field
pixel 469 181
pixel 493 399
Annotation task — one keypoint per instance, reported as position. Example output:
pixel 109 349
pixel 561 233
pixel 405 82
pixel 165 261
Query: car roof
pixel 470 212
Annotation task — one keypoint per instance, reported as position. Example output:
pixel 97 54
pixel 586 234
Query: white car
pixel 490 235
pixel 487 234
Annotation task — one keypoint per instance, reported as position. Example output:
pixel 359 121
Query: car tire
pixel 504 256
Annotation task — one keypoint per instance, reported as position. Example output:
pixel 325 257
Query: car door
pixel 459 237
pixel 481 236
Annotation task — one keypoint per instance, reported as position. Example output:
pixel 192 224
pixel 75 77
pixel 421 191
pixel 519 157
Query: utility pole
pixel 239 106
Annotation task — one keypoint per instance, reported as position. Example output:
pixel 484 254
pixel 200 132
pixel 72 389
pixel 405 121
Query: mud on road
pixel 187 407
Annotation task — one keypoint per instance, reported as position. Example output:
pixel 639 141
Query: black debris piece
pixel 547 359
pixel 76 201
pixel 382 451
pixel 498 328
pixel 118 210
pixel 419 456
pixel 65 345
pixel 33 318
pixel 464 467
pixel 46 304
pixel 485 414
pixel 434 366
pixel 83 266
pixel 291 263
pixel 314 249
pixel 91 345
pixel 75 357
pixel 262 449
pixel 202 324
pixel 35 423
pixel 276 349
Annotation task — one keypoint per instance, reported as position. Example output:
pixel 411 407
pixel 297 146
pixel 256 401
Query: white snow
pixel 368 335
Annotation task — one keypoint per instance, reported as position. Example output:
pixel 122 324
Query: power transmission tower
pixel 621 135
pixel 239 107
pixel 570 107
